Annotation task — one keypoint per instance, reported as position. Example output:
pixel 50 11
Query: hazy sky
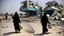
pixel 11 6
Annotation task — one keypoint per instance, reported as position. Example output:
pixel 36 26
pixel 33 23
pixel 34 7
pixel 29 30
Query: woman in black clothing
pixel 16 22
pixel 44 21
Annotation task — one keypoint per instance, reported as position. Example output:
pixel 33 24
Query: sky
pixel 11 6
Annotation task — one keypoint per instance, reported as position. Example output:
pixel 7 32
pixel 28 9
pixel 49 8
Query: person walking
pixel 44 21
pixel 16 22
pixel 6 16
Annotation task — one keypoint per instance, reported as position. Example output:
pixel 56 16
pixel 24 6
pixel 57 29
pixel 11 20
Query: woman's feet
pixel 17 31
pixel 45 32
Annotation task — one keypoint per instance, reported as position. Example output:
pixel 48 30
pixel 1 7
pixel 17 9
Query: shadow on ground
pixel 9 33
pixel 38 34
pixel 41 34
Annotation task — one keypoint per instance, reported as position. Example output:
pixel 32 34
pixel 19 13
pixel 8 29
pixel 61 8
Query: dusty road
pixel 30 25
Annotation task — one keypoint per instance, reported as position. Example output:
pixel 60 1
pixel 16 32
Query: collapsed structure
pixel 53 8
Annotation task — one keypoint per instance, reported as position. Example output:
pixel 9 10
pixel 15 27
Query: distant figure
pixel 44 21
pixel 0 20
pixel 6 16
pixel 16 22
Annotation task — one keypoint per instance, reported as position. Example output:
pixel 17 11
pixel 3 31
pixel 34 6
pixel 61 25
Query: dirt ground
pixel 31 27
